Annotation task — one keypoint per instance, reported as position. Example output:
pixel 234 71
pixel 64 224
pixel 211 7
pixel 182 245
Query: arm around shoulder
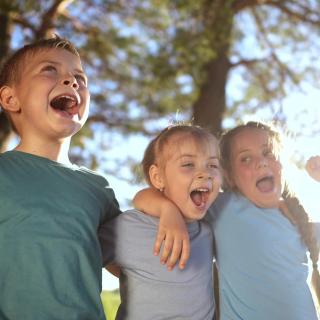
pixel 172 233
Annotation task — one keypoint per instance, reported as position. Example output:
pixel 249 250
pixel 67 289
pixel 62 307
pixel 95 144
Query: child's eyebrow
pixel 264 145
pixel 194 156
pixel 59 64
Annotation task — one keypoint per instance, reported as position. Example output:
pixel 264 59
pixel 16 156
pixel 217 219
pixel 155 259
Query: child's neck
pixel 53 151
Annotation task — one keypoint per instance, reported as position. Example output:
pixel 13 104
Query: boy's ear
pixel 156 177
pixel 8 99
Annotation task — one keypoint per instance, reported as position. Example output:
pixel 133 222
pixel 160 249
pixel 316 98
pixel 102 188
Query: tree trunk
pixel 5 36
pixel 210 106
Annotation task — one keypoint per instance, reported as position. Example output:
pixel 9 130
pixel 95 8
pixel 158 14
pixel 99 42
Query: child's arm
pixel 313 167
pixel 172 232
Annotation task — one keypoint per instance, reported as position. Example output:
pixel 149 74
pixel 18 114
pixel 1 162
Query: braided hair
pixel 307 232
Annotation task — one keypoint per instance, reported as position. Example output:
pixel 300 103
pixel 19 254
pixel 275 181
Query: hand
pixel 313 167
pixel 173 237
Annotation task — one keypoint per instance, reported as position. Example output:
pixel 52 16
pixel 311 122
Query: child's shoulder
pixel 90 174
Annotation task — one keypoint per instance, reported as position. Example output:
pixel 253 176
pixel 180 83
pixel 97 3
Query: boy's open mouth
pixel 67 103
pixel 199 196
pixel 265 184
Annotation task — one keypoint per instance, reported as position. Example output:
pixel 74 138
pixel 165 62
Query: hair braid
pixel 307 232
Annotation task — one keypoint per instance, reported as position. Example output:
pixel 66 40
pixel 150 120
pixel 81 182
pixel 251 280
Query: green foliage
pixel 110 301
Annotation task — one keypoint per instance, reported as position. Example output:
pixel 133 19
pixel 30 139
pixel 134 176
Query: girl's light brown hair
pixel 155 151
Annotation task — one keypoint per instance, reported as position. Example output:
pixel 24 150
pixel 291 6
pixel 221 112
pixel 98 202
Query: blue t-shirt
pixel 262 262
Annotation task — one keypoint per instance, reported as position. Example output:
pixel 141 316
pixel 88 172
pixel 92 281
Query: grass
pixel 110 301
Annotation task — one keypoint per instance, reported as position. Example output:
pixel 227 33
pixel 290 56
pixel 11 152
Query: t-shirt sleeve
pixel 108 234
pixel 115 238
pixel 112 208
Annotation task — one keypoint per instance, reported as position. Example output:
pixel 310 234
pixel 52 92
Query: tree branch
pixel 246 62
pixel 283 68
pixel 305 14
pixel 48 19
pixel 18 19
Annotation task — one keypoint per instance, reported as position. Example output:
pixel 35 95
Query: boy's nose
pixel 71 81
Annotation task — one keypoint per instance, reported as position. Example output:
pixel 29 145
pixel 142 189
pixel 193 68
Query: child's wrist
pixel 167 206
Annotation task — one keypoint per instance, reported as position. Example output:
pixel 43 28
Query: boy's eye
pixel 49 68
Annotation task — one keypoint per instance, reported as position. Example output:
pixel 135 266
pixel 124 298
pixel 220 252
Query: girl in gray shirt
pixel 182 162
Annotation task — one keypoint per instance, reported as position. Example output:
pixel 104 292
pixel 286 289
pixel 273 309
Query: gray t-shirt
pixel 148 290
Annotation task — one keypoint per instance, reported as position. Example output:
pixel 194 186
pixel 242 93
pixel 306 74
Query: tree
pixel 149 58
pixel 205 40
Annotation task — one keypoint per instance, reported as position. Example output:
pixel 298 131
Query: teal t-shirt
pixel 50 265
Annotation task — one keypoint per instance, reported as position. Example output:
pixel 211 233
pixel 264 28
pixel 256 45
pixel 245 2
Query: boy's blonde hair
pixel 11 69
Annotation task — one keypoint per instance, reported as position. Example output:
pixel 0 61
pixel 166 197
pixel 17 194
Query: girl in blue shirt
pixel 262 232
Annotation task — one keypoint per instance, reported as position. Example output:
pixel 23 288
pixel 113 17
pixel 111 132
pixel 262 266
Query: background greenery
pixel 111 301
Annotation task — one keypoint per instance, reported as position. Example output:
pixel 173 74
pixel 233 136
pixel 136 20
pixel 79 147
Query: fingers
pixel 166 242
pixel 158 243
pixel 167 252
pixel 175 254
pixel 174 249
pixel 185 253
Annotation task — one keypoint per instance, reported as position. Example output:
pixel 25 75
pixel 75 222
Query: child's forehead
pixel 55 55
pixel 187 142
pixel 251 138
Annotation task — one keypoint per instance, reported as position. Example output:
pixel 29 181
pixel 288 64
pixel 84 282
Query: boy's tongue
pixel 265 184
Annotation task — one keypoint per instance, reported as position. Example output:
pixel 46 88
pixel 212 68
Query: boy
pixel 50 210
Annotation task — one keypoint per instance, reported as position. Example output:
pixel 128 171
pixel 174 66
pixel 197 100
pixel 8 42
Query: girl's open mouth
pixel 199 197
pixel 265 184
